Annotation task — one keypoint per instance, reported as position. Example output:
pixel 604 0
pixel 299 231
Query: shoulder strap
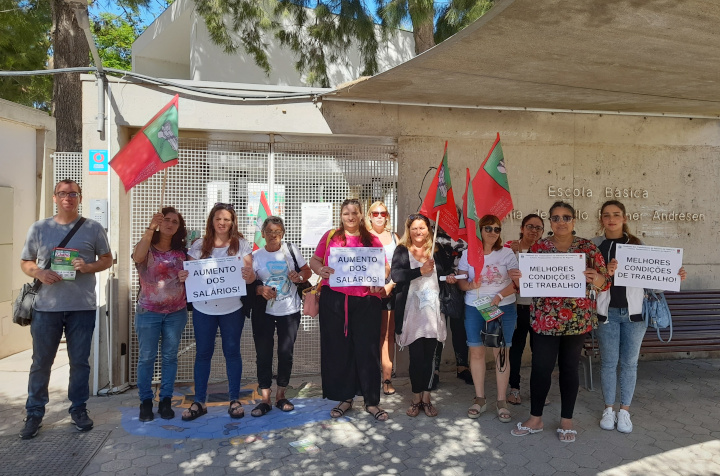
pixel 66 240
pixel 292 253
pixel 327 244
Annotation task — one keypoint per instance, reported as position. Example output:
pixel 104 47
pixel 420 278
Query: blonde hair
pixel 368 216
pixel 406 240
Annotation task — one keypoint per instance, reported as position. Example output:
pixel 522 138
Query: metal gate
pixel 211 171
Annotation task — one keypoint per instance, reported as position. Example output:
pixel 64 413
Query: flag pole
pixel 437 225
pixel 162 190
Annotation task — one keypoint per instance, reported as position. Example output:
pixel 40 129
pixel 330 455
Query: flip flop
pixel 236 411
pixel 196 410
pixel 285 405
pixel 524 430
pixel 261 409
pixel 563 433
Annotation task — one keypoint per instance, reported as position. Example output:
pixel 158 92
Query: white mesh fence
pixel 236 172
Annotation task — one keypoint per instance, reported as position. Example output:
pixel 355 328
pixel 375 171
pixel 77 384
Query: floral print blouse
pixel 568 316
pixel 160 289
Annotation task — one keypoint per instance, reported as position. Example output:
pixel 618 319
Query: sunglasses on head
pixel 490 229
pixel 379 214
pixel 558 218
pixel 534 228
pixel 226 206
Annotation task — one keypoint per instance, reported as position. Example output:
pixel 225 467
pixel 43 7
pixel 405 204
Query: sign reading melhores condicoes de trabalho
pixel 651 267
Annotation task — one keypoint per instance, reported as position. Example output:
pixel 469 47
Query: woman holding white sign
pixel 419 324
pixel 222 238
pixel 278 307
pixel 622 327
pixel 494 289
pixel 560 325
pixel 349 320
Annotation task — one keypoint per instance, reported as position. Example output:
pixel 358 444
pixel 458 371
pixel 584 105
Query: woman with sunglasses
pixel 222 238
pixel 531 230
pixel 419 324
pixel 161 312
pixel 349 321
pixel 621 328
pixel 493 282
pixel 560 326
pixel 277 306
pixel 378 219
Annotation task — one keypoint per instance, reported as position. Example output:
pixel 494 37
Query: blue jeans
pixel 47 330
pixel 475 323
pixel 620 340
pixel 206 327
pixel 150 327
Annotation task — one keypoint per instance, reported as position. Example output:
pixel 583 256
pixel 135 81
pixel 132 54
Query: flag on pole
pixel 476 253
pixel 263 213
pixel 492 192
pixel 152 149
pixel 440 198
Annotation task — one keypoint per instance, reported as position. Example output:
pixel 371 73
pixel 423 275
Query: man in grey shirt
pixel 63 305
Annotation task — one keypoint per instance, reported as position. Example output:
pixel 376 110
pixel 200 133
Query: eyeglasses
pixel 564 218
pixel 379 214
pixel 490 229
pixel 534 228
pixel 227 206
pixel 275 233
pixel 67 194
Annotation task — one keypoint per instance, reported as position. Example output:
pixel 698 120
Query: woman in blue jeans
pixel 621 327
pixel 161 312
pixel 222 238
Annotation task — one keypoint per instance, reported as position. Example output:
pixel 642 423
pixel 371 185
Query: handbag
pixel 311 295
pixel 452 303
pixel 656 312
pixel 492 336
pixel 300 286
pixel 25 300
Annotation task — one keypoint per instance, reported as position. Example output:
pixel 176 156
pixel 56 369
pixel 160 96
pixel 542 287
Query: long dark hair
pixel 178 240
pixel 209 238
pixel 632 239
pixel 527 219
pixel 365 236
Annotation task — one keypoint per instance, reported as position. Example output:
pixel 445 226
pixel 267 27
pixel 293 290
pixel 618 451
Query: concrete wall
pixel 27 137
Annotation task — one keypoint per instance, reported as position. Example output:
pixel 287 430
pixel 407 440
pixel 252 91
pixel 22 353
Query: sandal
pixel 380 414
pixel 337 412
pixel 414 409
pixel 261 409
pixel 387 387
pixel 563 435
pixel 513 397
pixel 430 410
pixel 524 430
pixel 196 410
pixel 504 414
pixel 479 405
pixel 236 411
pixel 285 405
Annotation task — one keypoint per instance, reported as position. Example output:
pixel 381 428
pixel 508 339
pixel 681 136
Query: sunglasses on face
pixel 226 206
pixel 559 218
pixel 534 228
pixel 491 229
pixel 67 194
pixel 379 214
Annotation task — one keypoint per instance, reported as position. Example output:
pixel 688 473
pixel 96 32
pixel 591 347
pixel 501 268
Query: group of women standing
pixel 360 325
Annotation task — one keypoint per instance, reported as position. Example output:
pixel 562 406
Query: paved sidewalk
pixel 676 413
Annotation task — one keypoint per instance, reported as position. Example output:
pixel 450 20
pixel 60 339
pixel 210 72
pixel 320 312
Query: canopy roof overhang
pixel 659 57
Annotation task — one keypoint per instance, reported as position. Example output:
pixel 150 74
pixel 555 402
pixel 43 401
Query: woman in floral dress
pixel 559 326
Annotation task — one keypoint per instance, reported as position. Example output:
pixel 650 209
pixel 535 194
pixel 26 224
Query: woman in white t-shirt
pixel 494 283
pixel 222 238
pixel 277 306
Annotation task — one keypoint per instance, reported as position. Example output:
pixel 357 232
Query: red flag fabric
pixel 492 192
pixel 263 213
pixel 476 253
pixel 440 198
pixel 152 149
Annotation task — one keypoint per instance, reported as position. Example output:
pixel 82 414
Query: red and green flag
pixel 476 254
pixel 263 213
pixel 492 192
pixel 440 198
pixel 152 149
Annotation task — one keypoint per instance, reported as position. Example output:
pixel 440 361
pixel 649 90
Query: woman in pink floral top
pixel 559 326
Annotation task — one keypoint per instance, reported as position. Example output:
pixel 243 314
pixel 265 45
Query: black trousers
pixel 459 341
pixel 264 326
pixel 565 350
pixel 350 365
pixel 422 363
pixel 519 339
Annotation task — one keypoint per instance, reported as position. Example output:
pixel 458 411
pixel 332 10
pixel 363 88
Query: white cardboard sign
pixel 552 274
pixel 357 266
pixel 214 278
pixel 652 267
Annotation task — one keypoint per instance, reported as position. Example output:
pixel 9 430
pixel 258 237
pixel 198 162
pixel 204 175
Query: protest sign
pixel 214 278
pixel 652 267
pixel 552 274
pixel 357 266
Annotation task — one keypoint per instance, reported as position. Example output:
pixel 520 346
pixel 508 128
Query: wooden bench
pixel 696 328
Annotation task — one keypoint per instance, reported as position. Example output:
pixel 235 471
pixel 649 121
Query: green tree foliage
pixel 114 36
pixel 24 45
pixel 458 14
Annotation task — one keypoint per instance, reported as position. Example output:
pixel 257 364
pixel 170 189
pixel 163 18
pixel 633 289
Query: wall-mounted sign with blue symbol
pixel 98 162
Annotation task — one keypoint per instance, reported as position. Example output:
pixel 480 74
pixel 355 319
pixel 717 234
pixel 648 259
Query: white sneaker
pixel 607 422
pixel 624 425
